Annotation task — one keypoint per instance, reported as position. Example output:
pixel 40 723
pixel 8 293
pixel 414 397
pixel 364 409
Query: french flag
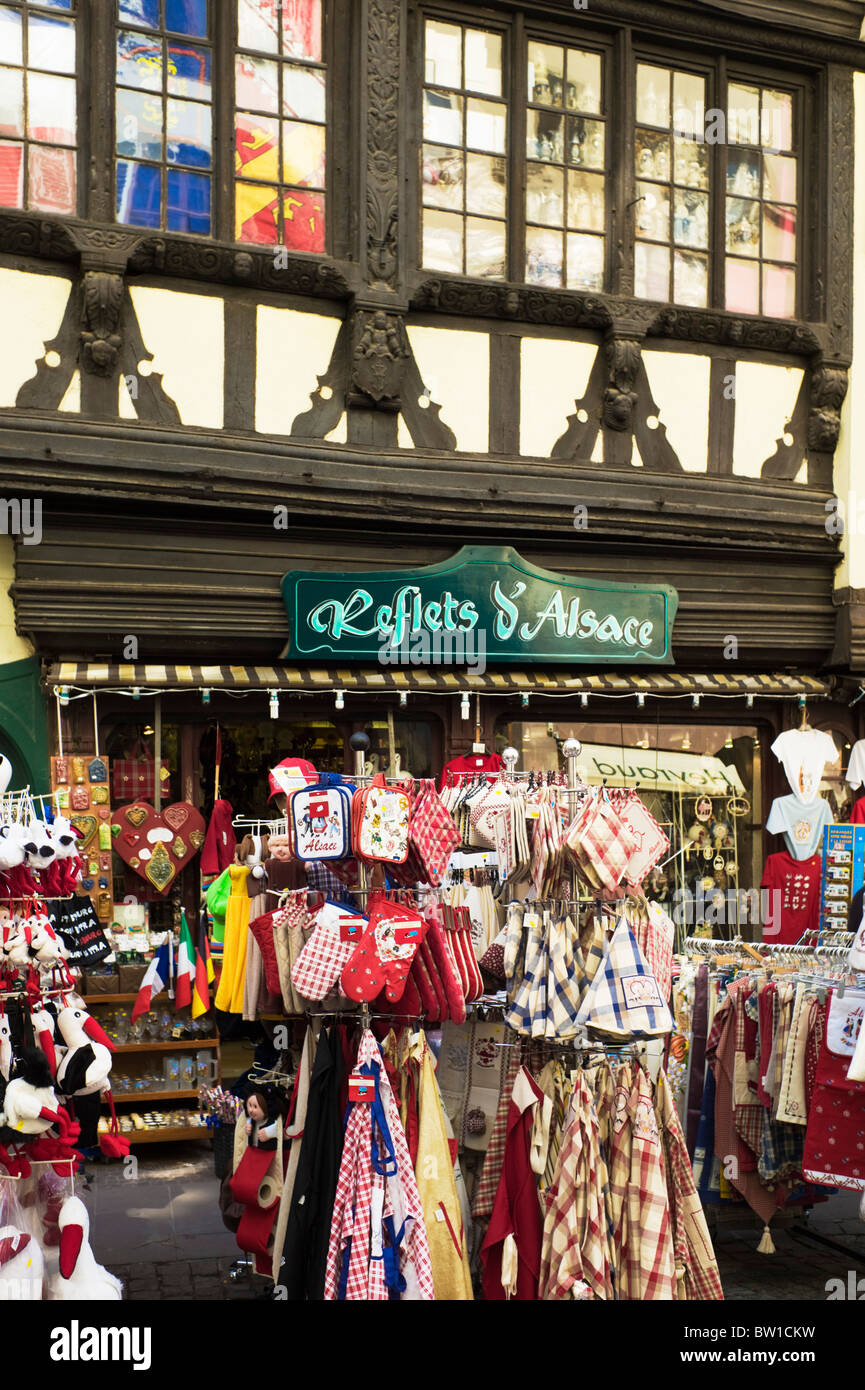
pixel 154 981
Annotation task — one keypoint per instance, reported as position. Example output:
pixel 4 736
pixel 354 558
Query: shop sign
pixel 522 613
pixel 660 770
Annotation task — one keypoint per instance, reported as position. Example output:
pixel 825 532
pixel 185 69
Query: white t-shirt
pixel 804 753
pixel 856 765
pixel 801 825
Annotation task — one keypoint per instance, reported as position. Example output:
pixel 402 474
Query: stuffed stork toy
pixel 30 1105
pixel 21 1266
pixel 80 1276
pixel 43 1021
pixel 84 1067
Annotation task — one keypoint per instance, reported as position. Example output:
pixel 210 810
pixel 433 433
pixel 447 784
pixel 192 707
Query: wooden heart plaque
pixel 152 847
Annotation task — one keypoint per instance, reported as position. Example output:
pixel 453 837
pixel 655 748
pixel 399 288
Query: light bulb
pixel 403 698
pixel 641 699
pixel 274 704
pixel 63 694
pixel 465 708
pixel 584 699
pixel 205 697
pixel 524 701
pixel 695 701
pixel 339 700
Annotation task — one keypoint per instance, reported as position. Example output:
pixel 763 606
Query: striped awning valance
pixel 429 680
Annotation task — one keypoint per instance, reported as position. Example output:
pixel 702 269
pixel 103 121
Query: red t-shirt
pixel 468 766
pixel 857 815
pixel 797 910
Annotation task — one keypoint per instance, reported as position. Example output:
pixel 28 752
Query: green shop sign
pixel 483 594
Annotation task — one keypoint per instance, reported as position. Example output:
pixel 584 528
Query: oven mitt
pixel 379 960
pixel 318 966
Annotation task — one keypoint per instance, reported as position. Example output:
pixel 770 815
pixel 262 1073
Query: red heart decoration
pixel 178 813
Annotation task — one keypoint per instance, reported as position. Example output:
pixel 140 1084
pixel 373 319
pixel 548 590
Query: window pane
pixel 443 118
pixel 10 36
pixel 51 109
pixel 303 92
pixel 544 195
pixel 653 95
pixel 690 279
pixel 51 179
pixel 304 220
pixel 485 248
pixel 11 101
pixel 256 83
pixel 546 74
pixel 779 291
pixel 691 218
pixel 777 120
pixel 486 185
pixel 743 286
pixel 743 115
pixel 142 13
pixel 543 257
pixel 188 137
pixel 11 175
pixel 138 194
pixel 258 26
pixel 139 124
pixel 652 156
pixel 652 212
pixel 586 143
pixel 483 62
pixel 443 241
pixel 256 147
pixel 443 177
pixel 443 55
pixel 50 43
pixel 301 29
pixel 545 136
pixel 583 86
pixel 779 232
pixel 585 262
pixel 256 209
pixel 779 178
pixel 486 125
pixel 689 103
pixel 303 154
pixel 743 227
pixel 691 166
pixel 189 71
pixel 139 61
pixel 586 201
pixel 743 173
pixel 186 17
pixel 188 202
pixel 651 271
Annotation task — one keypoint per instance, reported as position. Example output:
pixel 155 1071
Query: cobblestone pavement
pixel 161 1232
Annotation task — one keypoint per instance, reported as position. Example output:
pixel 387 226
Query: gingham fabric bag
pixel 432 834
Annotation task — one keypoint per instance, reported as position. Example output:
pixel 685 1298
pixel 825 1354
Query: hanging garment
pixel 485 1192
pixel 575 1260
pixel 253 976
pixel 220 842
pixel 794 904
pixel 802 824
pixel 436 1184
pixel 307 1234
pixel 624 999
pixel 697 1274
pixel 294 1128
pixel 229 994
pixel 697 1070
pixel 649 1255
pixel 835 1137
pixel 804 753
pixel 378 1243
pixel 511 1252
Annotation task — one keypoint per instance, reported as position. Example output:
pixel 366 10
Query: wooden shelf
pixel 166 1133
pixel 142 1096
pixel 166 1046
pixel 124 999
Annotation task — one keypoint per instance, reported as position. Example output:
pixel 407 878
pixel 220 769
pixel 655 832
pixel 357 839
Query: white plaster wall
pixel 34 304
pixel 454 366
pixel 849 474
pixel 680 388
pixel 554 375
pixel 293 350
pixel 765 400
pixel 185 333
pixel 12 647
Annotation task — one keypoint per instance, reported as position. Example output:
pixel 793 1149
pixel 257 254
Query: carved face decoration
pixel 243 265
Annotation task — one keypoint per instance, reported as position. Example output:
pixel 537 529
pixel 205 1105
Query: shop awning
pixel 428 680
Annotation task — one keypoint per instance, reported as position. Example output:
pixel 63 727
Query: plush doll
pixel 87 1061
pixel 80 1277
pixel 263 1117
pixel 68 865
pixel 18 880
pixel 38 847
pixel 21 1266
pixel 30 1105
pixel 252 851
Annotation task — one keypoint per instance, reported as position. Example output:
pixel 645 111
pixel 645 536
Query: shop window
pixel 38 106
pixel 761 203
pixel 834 787
pixel 163 114
pixel 403 747
pixel 671 168
pixel 250 747
pixel 280 124
pixel 463 163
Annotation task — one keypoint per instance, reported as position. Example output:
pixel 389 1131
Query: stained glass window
pixel 761 202
pixel 38 116
pixel 463 155
pixel 163 115
pixel 566 153
pixel 280 130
